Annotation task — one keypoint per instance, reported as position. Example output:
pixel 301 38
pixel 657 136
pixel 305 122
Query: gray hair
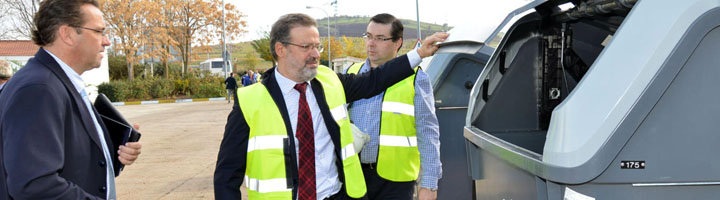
pixel 280 31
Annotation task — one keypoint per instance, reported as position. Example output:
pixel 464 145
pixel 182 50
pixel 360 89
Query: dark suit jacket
pixel 50 146
pixel 230 169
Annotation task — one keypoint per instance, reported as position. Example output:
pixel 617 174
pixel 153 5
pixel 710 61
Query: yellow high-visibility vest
pixel 398 156
pixel 265 173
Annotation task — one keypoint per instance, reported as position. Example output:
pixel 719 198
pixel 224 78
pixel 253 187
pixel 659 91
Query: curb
pixel 168 101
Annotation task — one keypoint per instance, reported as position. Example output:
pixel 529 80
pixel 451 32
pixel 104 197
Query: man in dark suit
pixel 308 100
pixel 53 144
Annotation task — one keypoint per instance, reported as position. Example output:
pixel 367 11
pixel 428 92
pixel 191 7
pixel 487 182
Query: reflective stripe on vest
pixel 266 142
pixel 339 112
pixel 265 173
pixel 398 108
pixel 398 155
pixel 266 186
pixel 265 170
pixel 347 151
pixel 398 141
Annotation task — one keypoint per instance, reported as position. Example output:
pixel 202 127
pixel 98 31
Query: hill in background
pixel 354 26
pixel 350 26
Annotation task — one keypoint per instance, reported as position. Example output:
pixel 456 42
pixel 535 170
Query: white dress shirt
pixel 326 173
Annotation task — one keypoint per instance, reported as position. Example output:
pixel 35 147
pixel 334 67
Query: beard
pixel 307 73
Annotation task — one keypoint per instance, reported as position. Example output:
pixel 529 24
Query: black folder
pixel 119 129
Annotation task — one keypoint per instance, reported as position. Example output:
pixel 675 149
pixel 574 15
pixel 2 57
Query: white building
pixel 20 51
pixel 339 64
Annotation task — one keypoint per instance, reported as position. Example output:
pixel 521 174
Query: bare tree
pixel 126 21
pixel 4 29
pixel 165 25
pixel 21 14
pixel 198 22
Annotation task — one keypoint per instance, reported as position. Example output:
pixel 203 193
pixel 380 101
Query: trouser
pixel 379 188
pixel 231 94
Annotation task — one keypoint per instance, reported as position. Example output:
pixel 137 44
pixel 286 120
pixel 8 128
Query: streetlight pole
pixel 224 55
pixel 328 35
pixel 417 13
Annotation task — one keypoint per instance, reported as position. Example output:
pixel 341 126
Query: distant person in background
pixel 248 78
pixel 257 76
pixel 5 73
pixel 231 86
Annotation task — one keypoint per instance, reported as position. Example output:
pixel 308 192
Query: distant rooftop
pixel 18 48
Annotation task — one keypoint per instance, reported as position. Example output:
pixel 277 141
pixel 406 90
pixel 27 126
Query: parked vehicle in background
pixel 215 66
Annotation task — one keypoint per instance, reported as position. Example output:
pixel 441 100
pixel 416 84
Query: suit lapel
pixel 49 62
pixel 332 126
pixel 330 123
pixel 274 89
pixel 277 96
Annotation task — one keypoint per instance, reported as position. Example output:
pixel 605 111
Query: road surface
pixel 180 145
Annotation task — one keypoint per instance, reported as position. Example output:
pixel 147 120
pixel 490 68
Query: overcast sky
pixel 262 13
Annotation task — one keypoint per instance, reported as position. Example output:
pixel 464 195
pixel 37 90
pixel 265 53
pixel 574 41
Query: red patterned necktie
pixel 306 137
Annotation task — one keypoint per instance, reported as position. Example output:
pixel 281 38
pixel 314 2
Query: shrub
pixel 196 85
pixel 161 88
pixel 140 90
pixel 208 86
pixel 115 90
pixel 118 68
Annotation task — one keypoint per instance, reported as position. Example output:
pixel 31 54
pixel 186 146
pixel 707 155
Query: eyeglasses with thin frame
pixel 367 37
pixel 307 48
pixel 102 32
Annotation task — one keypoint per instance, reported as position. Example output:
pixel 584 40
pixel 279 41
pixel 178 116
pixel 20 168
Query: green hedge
pixel 115 90
pixel 193 85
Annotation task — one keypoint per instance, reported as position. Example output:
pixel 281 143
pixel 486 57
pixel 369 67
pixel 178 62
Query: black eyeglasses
pixel 102 32
pixel 367 37
pixel 306 48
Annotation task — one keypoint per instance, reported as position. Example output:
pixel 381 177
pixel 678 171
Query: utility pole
pixel 328 35
pixel 334 3
pixel 152 59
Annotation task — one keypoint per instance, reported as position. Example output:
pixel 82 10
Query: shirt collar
pixel 75 78
pixel 286 85
pixel 365 67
